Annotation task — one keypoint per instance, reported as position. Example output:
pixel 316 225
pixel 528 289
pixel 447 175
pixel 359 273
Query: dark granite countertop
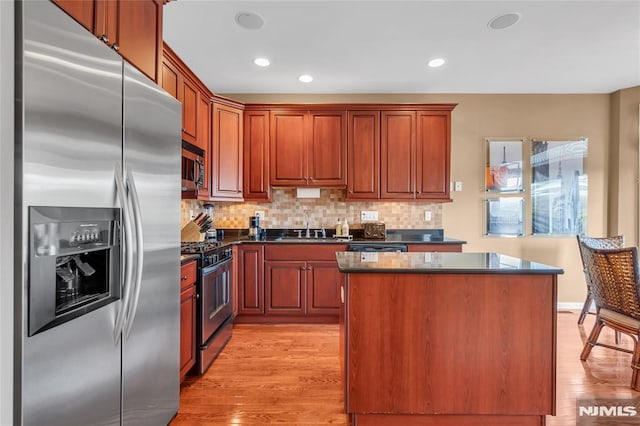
pixel 449 263
pixel 397 236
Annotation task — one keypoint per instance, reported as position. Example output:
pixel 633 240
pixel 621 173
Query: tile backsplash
pixel 287 211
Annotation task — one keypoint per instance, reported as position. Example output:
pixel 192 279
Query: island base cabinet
pixel 450 349
pixel 445 420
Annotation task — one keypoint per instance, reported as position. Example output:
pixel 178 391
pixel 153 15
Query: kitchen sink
pixel 305 240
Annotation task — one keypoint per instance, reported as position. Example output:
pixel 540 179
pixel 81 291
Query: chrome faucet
pixel 308 233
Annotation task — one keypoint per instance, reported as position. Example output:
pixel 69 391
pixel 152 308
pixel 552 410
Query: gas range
pixel 211 252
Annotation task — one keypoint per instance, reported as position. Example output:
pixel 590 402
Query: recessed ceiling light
pixel 436 62
pixel 262 62
pixel 501 22
pixel 249 20
pixel 305 78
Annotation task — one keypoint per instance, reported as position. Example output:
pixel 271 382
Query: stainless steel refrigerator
pixel 97 231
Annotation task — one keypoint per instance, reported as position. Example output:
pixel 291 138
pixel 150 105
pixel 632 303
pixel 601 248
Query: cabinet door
pixel 288 148
pixel 139 37
pixel 81 11
pixel 323 288
pixel 256 185
pixel 226 154
pixel 363 154
pixel 398 141
pixel 327 148
pixel 170 79
pixel 433 153
pixel 188 95
pixel 106 24
pixel 187 330
pixel 285 288
pixel 251 279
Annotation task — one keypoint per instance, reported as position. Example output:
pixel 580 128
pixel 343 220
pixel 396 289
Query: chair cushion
pixel 619 318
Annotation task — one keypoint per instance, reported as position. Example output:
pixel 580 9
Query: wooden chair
pixel 615 281
pixel 599 243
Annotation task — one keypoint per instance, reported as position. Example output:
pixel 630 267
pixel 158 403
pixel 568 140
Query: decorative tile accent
pixel 287 211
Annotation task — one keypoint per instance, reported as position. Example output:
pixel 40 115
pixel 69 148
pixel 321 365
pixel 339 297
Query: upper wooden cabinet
pixel 433 145
pixel 398 149
pixel 415 151
pixel 183 85
pixel 256 185
pixel 131 27
pixel 308 148
pixel 363 155
pixel 203 140
pixel 226 152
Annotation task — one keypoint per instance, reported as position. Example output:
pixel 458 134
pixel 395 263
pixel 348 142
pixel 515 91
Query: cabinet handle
pixel 342 294
pixel 115 47
pixel 184 277
pixel 104 38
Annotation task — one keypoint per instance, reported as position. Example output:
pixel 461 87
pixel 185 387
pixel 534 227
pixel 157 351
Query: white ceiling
pixel 382 46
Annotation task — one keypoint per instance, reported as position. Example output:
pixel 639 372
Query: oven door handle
pixel 128 253
pixel 137 216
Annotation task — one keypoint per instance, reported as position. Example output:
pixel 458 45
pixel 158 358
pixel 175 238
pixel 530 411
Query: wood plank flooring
pixel 289 375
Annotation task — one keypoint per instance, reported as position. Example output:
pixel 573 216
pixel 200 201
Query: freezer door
pixel 69 141
pixel 152 160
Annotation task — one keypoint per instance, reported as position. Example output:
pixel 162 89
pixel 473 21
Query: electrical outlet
pixel 458 186
pixel 260 214
pixel 368 215
pixel 427 216
pixel 369 257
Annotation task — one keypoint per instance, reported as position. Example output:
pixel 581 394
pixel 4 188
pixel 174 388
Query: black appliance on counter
pixel 377 248
pixel 214 306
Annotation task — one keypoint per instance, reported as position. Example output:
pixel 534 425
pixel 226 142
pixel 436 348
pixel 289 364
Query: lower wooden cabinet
pixel 323 288
pixel 187 318
pixel 285 287
pixel 250 279
pixel 289 283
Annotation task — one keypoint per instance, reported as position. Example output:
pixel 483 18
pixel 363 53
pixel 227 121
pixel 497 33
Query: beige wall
pixel 623 164
pixel 525 116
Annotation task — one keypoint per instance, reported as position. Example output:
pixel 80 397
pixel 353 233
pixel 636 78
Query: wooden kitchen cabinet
pixel 132 28
pixel 433 146
pixel 182 84
pixel 398 150
pixel 187 318
pixel 323 288
pixel 363 155
pixel 226 152
pixel 285 287
pixel 415 154
pixel 308 148
pixel 250 279
pixel 256 186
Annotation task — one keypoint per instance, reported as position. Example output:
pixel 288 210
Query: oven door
pixel 215 298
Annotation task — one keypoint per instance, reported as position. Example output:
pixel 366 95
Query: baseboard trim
pixel 570 305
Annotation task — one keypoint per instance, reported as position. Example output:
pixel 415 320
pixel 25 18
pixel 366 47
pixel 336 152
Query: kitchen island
pixel 448 339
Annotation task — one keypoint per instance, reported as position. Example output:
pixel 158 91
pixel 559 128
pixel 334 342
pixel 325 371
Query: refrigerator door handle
pixel 137 216
pixel 128 251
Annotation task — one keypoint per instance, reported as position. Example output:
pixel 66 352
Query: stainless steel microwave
pixel 192 168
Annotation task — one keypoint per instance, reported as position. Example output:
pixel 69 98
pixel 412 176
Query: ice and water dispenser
pixel 74 268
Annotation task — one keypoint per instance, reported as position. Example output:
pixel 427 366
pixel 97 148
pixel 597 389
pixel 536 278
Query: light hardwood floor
pixel 289 375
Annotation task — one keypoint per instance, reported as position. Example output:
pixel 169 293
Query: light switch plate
pixel 368 215
pixel 458 186
pixel 427 216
